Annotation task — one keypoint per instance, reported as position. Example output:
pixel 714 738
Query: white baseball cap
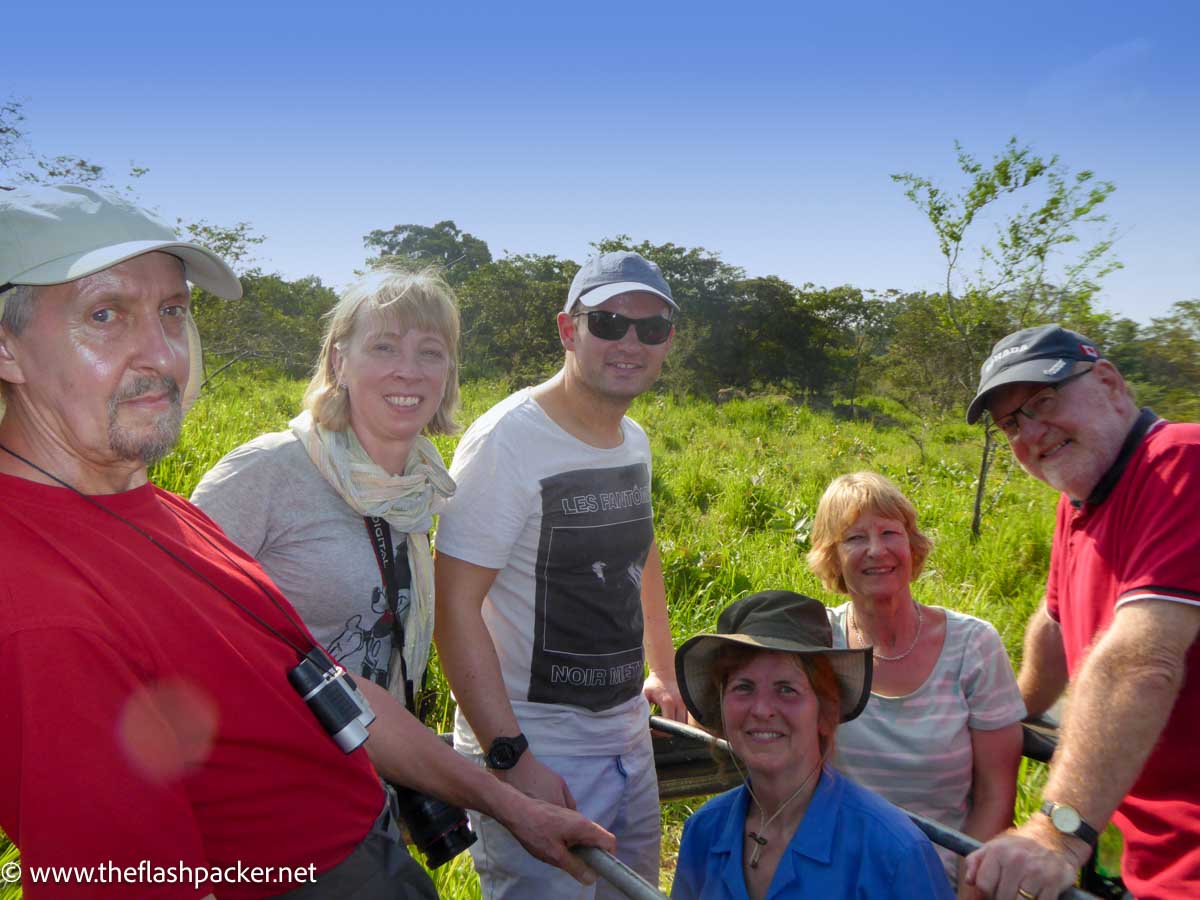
pixel 51 235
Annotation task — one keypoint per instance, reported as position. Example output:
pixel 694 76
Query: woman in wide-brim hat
pixel 769 681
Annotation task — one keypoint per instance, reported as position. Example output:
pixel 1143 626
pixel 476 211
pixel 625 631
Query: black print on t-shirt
pixel 597 526
pixel 367 649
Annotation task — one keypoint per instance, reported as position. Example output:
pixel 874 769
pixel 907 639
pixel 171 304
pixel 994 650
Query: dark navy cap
pixel 1042 355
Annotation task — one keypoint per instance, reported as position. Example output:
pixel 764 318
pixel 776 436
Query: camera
pixel 438 829
pixel 334 699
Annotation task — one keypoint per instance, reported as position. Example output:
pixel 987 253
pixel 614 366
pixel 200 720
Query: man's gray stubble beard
pixel 152 447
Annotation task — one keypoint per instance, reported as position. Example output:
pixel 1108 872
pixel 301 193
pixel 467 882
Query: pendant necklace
pixel 758 837
pixel 877 654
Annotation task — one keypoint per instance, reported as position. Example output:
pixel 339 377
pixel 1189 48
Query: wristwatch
pixel 1068 821
pixel 505 751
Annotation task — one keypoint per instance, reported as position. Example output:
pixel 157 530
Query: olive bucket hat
pixel 770 620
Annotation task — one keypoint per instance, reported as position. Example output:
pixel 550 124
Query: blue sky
pixel 765 132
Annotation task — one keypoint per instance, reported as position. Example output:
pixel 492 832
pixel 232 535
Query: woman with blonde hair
pixel 941 735
pixel 338 508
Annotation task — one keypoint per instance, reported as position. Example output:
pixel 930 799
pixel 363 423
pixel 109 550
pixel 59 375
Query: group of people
pixel 149 645
pixel 916 703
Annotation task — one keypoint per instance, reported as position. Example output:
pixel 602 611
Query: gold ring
pixel 1021 892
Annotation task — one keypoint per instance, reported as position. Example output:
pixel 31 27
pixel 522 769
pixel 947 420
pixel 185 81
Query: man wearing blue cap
pixel 1119 621
pixel 156 734
pixel 550 594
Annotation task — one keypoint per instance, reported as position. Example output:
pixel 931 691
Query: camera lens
pixel 439 830
pixel 306 677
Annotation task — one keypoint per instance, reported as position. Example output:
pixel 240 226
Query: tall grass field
pixel 735 488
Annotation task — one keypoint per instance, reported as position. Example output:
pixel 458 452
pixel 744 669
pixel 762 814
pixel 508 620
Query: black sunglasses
pixel 611 326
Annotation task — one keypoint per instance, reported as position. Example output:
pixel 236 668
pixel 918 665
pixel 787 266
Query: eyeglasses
pixel 1037 408
pixel 611 326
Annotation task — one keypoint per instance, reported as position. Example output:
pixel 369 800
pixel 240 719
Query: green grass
pixel 8 856
pixel 735 488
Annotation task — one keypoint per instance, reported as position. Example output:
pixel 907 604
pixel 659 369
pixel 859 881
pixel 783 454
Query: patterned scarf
pixel 406 502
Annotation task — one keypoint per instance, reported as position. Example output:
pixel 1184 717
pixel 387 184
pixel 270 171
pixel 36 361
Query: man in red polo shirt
pixel 1119 621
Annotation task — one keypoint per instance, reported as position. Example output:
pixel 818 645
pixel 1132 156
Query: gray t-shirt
pixel 273 503
pixel 915 750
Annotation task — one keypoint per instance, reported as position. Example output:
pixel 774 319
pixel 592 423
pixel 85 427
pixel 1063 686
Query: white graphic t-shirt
pixel 569 526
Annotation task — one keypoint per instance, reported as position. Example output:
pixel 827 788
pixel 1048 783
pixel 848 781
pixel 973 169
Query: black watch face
pixel 502 756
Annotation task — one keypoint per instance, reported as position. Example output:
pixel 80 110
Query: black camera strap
pixel 397 576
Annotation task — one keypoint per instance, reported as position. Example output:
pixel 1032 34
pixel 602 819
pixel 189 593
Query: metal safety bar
pixel 952 840
pixel 619 875
pixel 670 726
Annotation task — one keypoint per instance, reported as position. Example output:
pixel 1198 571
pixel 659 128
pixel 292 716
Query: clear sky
pixel 762 131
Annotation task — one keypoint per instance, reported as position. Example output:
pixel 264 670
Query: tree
pixel 275 323
pixel 457 252
pixel 19 163
pixel 1162 360
pixel 1013 275
pixel 233 243
pixel 734 332
pixel 771 336
pixel 1176 337
pixel 1015 282
pixel 704 287
pixel 857 330
pixel 234 330
pixel 928 368
pixel 508 310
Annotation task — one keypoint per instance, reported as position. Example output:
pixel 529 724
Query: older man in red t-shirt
pixel 1119 621
pixel 151 729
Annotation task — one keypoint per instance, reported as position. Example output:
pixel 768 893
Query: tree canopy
pixel 20 163
pixel 457 253
pixel 1023 239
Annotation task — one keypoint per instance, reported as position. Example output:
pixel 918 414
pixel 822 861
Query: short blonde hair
pixel 847 498
pixel 419 299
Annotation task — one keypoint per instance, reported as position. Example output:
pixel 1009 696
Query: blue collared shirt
pixel 850 843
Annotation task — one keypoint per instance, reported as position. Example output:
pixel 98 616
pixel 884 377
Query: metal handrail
pixel 619 875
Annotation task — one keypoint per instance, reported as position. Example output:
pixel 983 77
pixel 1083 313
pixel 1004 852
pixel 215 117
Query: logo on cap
pixel 1089 350
pixel 1008 351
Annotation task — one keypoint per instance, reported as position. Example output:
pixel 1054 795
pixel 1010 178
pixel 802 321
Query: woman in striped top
pixel 941 734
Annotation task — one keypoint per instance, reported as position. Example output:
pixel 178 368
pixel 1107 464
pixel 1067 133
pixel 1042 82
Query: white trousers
pixel 618 792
